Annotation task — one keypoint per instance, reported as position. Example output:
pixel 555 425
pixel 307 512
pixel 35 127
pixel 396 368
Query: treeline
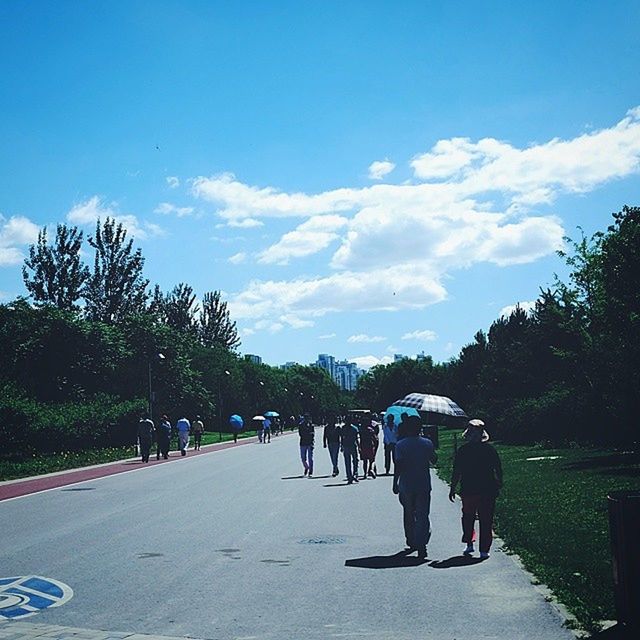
pixel 566 371
pixel 95 345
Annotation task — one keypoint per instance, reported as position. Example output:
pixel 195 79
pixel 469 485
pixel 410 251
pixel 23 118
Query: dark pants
pixel 162 446
pixel 389 456
pixel 482 507
pixel 145 447
pixel 334 449
pixel 197 439
pixel 351 462
pixel 415 508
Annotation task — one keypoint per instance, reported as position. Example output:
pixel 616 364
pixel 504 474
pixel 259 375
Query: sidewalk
pixel 24 486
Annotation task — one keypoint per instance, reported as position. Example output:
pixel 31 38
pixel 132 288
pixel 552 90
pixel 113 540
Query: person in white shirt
pixel 390 435
pixel 183 427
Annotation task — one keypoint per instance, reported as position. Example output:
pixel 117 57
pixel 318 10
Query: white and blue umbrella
pixel 431 404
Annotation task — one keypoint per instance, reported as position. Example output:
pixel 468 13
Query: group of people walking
pixel 476 477
pixel 148 433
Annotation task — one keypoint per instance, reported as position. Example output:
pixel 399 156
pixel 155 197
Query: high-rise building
pixel 253 358
pixel 346 375
pixel 328 363
pixel 398 356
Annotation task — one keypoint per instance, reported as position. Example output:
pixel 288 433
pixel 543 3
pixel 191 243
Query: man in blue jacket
pixel 412 483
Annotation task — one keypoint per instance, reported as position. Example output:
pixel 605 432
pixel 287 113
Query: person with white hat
pixel 477 468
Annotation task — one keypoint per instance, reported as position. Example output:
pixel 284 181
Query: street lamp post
pixel 220 405
pixel 160 357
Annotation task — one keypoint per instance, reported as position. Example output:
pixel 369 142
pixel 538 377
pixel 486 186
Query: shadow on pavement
pixel 395 561
pixel 293 477
pixel 455 561
pixel 339 484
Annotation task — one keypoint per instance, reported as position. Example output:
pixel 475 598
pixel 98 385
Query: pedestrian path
pixel 25 486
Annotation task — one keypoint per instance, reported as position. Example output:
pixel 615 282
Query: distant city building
pixel 288 365
pixel 328 363
pixel 398 356
pixel 344 373
pixel 253 358
pixel 421 356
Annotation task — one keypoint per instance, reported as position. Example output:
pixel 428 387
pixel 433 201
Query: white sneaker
pixel 468 551
pixel 484 555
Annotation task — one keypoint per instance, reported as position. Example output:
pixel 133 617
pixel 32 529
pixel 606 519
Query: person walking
pixel 412 484
pixel 478 469
pixel 145 436
pixel 266 431
pixel 331 440
pixel 163 438
pixel 349 446
pixel 197 428
pixel 183 426
pixel 307 437
pixel 389 439
pixel 368 447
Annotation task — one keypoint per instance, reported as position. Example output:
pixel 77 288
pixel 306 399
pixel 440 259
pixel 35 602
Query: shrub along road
pixel 236 543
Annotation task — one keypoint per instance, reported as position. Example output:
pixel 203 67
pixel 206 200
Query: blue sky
pixel 358 178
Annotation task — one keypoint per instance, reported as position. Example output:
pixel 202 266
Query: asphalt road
pixel 237 544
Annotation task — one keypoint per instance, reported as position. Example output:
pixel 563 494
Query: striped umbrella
pixel 431 404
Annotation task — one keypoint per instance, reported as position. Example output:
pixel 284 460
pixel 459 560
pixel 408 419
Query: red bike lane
pixel 22 487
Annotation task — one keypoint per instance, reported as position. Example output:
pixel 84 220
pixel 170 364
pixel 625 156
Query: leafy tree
pixel 178 309
pixel 54 274
pixel 215 325
pixel 116 288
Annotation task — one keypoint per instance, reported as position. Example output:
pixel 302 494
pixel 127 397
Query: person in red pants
pixel 477 468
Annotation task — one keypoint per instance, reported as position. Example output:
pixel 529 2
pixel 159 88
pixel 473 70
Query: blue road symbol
pixel 27 595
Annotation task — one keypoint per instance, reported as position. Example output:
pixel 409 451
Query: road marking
pixel 25 596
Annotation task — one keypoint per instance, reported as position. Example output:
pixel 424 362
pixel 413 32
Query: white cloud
pixel 173 182
pixel 366 362
pixel 15 233
pixel 238 258
pixel 363 337
pixel 245 223
pixel 426 335
pixel 86 213
pixel 380 168
pixel 397 244
pixel 327 336
pixel 526 305
pixel 310 237
pixel 166 208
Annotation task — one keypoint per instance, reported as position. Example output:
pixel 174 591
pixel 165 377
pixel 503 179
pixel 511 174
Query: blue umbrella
pixel 272 414
pixel 236 422
pixel 397 411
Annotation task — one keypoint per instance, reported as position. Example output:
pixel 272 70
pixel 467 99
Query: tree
pixel 116 288
pixel 57 274
pixel 215 325
pixel 178 308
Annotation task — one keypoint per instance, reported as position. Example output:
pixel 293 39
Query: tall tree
pixel 215 325
pixel 54 273
pixel 116 288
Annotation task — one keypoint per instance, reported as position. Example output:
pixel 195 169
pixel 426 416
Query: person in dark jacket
pixel 331 440
pixel 349 446
pixel 412 483
pixel 477 468
pixel 145 436
pixel 163 438
pixel 307 438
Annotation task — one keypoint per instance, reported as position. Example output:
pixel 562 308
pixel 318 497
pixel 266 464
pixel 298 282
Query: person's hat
pixel 476 424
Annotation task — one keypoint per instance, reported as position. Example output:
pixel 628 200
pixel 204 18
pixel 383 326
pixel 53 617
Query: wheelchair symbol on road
pixel 27 595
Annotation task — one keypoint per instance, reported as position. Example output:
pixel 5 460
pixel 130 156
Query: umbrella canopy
pixel 272 414
pixel 259 418
pixel 236 421
pixel 397 411
pixel 432 404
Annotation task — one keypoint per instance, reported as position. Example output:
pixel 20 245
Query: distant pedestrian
pixel 197 428
pixel 183 426
pixel 390 438
pixel 266 431
pixel 145 436
pixel 331 440
pixel 412 483
pixel 349 445
pixel 260 430
pixel 368 447
pixel 163 438
pixel 478 469
pixel 307 438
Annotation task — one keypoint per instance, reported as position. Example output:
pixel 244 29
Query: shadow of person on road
pixel 395 561
pixel 455 561
pixel 293 477
pixel 337 484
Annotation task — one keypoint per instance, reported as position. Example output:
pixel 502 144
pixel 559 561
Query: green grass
pixel 553 514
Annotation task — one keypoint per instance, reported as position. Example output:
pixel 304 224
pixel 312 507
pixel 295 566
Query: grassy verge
pixel 552 512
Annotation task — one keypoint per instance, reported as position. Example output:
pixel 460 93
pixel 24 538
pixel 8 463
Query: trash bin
pixel 624 528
